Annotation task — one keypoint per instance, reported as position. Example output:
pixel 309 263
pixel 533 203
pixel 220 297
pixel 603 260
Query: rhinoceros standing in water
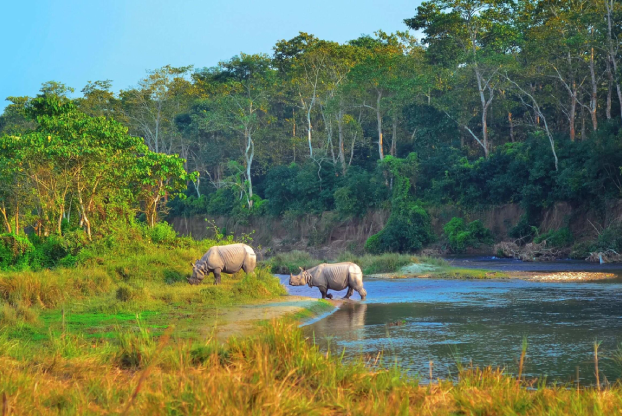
pixel 223 259
pixel 336 276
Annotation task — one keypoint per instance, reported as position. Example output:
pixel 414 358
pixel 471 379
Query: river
pixel 482 322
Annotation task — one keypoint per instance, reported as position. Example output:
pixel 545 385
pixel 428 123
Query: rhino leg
pixel 349 293
pixel 217 276
pixel 324 292
pixel 362 292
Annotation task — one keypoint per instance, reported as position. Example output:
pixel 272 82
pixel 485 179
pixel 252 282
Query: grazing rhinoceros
pixel 336 276
pixel 223 259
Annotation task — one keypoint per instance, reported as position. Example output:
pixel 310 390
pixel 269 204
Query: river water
pixel 483 322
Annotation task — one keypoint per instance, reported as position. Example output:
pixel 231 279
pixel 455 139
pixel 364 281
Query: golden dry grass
pixel 276 373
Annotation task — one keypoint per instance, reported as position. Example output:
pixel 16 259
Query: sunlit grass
pixel 276 372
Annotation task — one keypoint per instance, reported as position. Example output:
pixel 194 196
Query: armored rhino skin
pixel 337 276
pixel 223 259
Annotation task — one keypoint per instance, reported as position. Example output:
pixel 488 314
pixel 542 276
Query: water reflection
pixel 348 321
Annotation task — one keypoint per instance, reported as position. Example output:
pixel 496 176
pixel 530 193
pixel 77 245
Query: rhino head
pixel 300 279
pixel 198 273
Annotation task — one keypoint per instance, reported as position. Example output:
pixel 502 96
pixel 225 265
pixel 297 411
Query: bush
pixel 556 238
pixel 523 231
pixel 461 236
pixel 408 229
pixel 161 233
pixel 16 252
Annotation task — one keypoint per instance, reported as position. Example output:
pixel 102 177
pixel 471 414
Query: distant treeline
pixel 500 101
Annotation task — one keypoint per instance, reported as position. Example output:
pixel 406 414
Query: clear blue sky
pixel 74 41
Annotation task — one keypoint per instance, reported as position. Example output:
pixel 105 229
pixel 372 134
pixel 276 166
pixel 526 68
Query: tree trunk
pixel 61 215
pixel 7 224
pixel 612 51
pixel 394 137
pixel 342 156
pixel 594 96
pixel 485 104
pixel 582 123
pixel 249 154
pixel 328 123
pixel 573 111
pixel 511 127
pixel 609 90
pixel 379 121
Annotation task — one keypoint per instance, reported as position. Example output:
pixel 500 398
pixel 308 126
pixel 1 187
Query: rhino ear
pixel 192 265
pixel 301 269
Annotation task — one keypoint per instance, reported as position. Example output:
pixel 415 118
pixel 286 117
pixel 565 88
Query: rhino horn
pixel 301 269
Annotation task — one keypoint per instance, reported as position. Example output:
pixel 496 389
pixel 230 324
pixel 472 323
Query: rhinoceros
pixel 223 259
pixel 335 276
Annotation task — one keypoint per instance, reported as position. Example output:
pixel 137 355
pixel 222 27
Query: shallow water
pixel 481 322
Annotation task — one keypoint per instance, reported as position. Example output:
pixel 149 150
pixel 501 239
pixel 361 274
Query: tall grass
pixel 285 263
pixel 290 262
pixel 387 262
pixel 277 372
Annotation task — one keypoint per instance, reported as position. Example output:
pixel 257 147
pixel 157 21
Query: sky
pixel 76 41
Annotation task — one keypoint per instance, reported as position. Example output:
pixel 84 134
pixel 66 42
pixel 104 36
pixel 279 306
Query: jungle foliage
pixel 502 102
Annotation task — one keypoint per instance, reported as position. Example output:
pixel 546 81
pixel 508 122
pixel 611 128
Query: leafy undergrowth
pixel 277 372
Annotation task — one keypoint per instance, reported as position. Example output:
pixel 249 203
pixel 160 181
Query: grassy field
pixel 276 372
pixel 110 291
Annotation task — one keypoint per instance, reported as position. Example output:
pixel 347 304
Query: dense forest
pixel 497 102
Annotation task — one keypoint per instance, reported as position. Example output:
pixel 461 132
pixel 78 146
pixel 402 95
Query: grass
pixel 463 273
pixel 276 372
pixel 285 263
pixel 110 290
pixel 387 263
pixel 122 335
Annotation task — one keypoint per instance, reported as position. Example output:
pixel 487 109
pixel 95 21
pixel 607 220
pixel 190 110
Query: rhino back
pixel 336 275
pixel 233 256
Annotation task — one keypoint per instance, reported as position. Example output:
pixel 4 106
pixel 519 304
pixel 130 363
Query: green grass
pixel 285 263
pixel 112 289
pixel 290 262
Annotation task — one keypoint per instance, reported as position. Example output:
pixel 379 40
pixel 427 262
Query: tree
pixel 241 106
pixel 151 107
pixel 473 36
pixel 158 177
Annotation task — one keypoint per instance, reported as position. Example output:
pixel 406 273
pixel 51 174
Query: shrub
pixel 461 236
pixel 523 231
pixel 161 233
pixel 408 229
pixel 16 252
pixel 556 238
